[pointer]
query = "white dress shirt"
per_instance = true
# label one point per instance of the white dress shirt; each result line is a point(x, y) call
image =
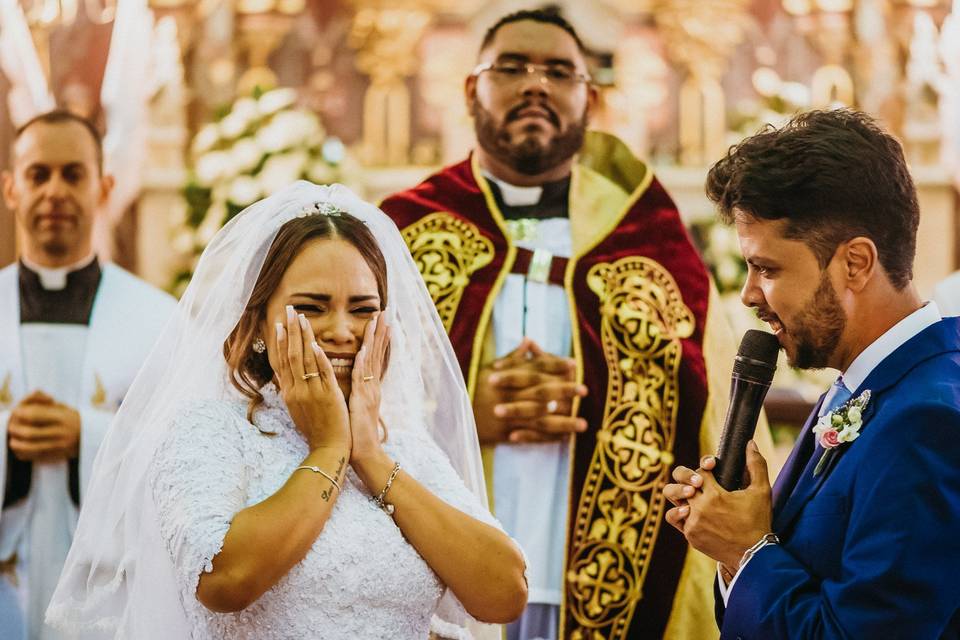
point(861, 367)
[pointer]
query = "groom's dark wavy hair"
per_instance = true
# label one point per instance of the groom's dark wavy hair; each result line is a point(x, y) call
point(250, 370)
point(833, 175)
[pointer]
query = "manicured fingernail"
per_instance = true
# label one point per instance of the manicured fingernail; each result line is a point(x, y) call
point(499, 410)
point(279, 331)
point(684, 510)
point(494, 378)
point(289, 312)
point(303, 322)
point(514, 437)
point(316, 347)
point(581, 425)
point(688, 491)
point(582, 390)
point(696, 479)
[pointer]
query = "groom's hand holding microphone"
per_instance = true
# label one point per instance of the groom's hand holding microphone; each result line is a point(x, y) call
point(721, 511)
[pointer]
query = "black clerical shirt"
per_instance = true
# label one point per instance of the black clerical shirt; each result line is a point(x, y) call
point(553, 203)
point(70, 305)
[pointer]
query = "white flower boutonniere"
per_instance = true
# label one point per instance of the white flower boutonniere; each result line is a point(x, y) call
point(840, 426)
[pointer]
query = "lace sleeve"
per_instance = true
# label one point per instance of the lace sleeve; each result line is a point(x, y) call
point(199, 483)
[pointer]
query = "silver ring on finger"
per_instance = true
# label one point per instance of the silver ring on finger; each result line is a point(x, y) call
point(552, 406)
point(314, 374)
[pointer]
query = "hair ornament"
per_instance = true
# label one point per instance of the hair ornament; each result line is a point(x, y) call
point(329, 209)
point(322, 208)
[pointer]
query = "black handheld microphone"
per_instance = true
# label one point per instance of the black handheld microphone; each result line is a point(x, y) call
point(752, 372)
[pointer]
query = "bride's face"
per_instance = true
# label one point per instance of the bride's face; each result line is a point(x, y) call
point(331, 284)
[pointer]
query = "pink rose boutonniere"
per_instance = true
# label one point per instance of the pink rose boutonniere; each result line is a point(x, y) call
point(840, 426)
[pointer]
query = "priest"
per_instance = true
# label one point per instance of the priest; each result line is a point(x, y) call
point(73, 333)
point(589, 334)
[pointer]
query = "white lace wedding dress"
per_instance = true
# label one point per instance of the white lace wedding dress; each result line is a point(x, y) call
point(361, 580)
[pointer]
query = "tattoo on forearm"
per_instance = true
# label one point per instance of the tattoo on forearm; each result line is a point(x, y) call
point(326, 494)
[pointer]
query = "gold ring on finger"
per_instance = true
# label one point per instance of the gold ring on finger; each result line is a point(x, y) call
point(367, 378)
point(307, 376)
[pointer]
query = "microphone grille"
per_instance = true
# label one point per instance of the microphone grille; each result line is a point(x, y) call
point(757, 356)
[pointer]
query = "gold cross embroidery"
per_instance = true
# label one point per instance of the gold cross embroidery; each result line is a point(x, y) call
point(6, 398)
point(99, 397)
point(523, 229)
point(8, 568)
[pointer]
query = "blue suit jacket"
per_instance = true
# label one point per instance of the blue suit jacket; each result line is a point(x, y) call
point(870, 547)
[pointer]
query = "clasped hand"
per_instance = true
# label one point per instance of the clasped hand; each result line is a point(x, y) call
point(721, 524)
point(527, 396)
point(313, 396)
point(43, 430)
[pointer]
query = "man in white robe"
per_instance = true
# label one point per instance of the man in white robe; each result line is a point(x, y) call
point(73, 334)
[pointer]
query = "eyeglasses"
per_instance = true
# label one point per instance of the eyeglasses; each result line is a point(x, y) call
point(507, 73)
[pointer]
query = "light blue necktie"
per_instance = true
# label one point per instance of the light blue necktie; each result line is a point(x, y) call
point(836, 396)
point(803, 464)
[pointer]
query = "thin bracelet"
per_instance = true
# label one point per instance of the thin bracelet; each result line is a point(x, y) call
point(323, 473)
point(379, 500)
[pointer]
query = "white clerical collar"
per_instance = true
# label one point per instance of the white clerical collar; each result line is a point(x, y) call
point(514, 196)
point(55, 278)
point(889, 342)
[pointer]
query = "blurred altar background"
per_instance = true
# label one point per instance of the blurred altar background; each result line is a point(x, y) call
point(209, 104)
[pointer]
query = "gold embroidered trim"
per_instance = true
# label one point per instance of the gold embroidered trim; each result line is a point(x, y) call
point(6, 397)
point(447, 251)
point(99, 397)
point(620, 509)
point(8, 570)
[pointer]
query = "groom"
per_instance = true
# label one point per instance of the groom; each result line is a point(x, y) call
point(860, 535)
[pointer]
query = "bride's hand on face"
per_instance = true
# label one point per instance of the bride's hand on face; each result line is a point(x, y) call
point(309, 386)
point(364, 402)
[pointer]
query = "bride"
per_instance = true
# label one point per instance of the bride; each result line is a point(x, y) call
point(297, 458)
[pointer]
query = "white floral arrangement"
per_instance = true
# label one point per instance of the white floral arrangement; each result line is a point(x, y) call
point(262, 144)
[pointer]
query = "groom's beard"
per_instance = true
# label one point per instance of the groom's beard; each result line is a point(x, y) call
point(816, 331)
point(528, 156)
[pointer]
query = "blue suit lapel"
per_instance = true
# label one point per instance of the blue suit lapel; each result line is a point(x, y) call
point(939, 338)
point(808, 484)
point(799, 456)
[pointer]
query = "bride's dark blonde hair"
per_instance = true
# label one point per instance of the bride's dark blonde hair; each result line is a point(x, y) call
point(250, 370)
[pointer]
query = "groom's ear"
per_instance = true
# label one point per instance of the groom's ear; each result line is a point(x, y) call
point(860, 262)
